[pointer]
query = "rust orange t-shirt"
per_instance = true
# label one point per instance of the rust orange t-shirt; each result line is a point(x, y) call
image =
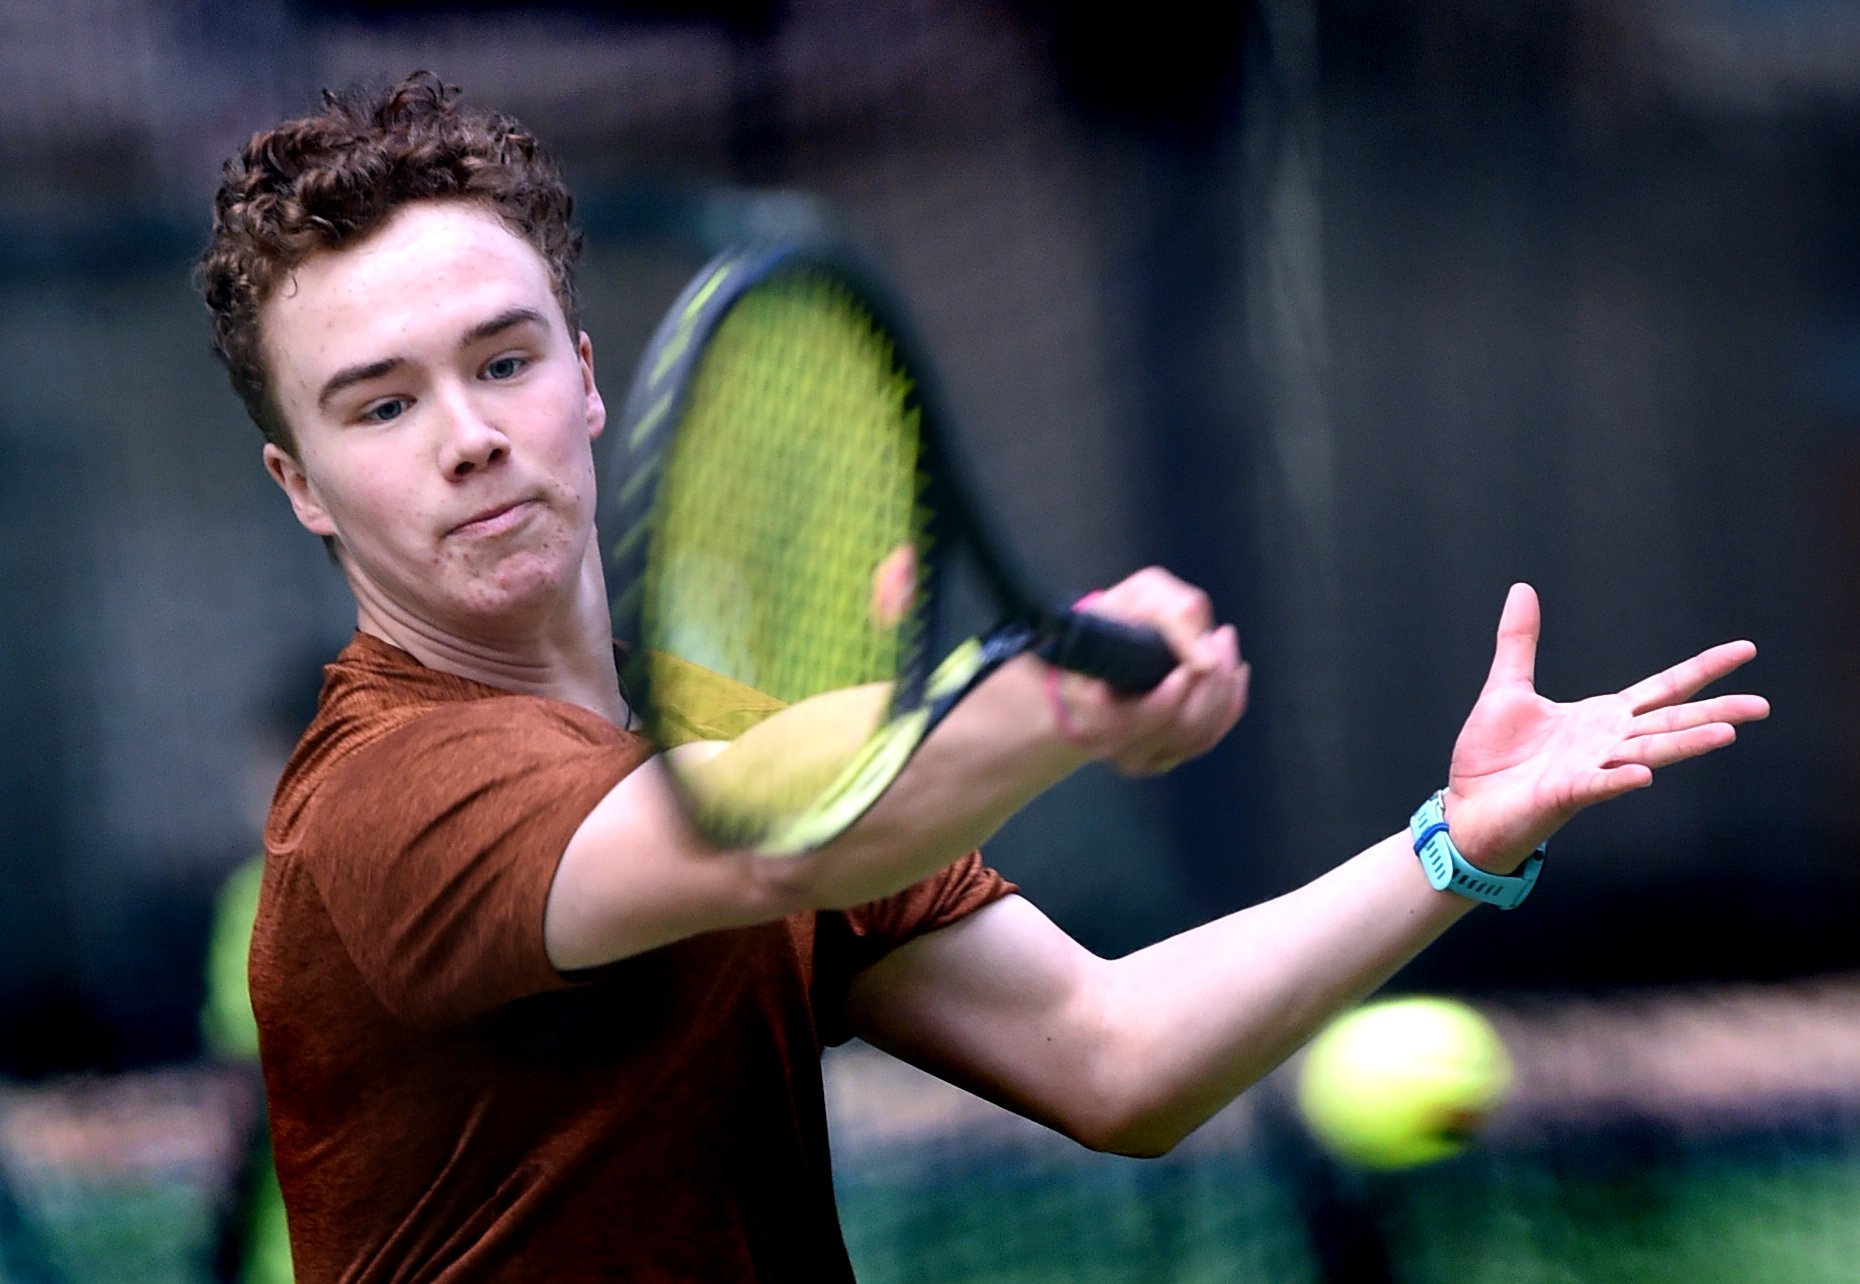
point(444, 1104)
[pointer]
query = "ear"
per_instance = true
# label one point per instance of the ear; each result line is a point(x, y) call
point(297, 487)
point(596, 409)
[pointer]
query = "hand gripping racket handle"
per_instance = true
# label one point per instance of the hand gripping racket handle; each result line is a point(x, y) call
point(1132, 658)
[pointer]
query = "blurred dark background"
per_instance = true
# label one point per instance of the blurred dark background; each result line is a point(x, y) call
point(1352, 311)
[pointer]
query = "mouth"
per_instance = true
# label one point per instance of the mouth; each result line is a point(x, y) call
point(494, 520)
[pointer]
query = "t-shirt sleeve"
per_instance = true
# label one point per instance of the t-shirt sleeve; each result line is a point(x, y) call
point(435, 847)
point(849, 941)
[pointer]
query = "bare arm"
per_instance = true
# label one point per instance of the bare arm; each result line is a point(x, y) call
point(1133, 1054)
point(635, 876)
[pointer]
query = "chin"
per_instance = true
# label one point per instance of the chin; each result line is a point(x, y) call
point(524, 593)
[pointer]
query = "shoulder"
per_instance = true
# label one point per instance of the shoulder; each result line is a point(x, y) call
point(382, 713)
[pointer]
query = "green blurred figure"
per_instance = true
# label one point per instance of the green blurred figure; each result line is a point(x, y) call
point(253, 1247)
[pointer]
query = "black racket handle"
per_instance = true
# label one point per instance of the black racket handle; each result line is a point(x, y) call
point(1132, 658)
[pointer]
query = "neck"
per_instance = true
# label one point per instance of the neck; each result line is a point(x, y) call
point(564, 654)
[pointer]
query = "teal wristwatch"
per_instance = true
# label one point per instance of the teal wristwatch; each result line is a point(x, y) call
point(1447, 870)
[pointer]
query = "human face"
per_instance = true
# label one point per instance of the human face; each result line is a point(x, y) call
point(442, 416)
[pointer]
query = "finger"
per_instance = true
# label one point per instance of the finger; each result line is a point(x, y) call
point(1165, 725)
point(1603, 783)
point(1514, 658)
point(1217, 651)
point(1143, 592)
point(1734, 709)
point(1179, 611)
point(1148, 767)
point(894, 584)
point(1187, 714)
point(1214, 703)
point(1085, 694)
point(1242, 691)
point(1673, 746)
point(1184, 622)
point(1162, 704)
point(1687, 678)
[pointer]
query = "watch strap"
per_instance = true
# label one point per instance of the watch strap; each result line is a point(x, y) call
point(1447, 870)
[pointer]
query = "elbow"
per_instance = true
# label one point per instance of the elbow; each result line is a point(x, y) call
point(769, 888)
point(1143, 1147)
point(1121, 1095)
point(1136, 1138)
point(778, 886)
point(1124, 1118)
point(851, 870)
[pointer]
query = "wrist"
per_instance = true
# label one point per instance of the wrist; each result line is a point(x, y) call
point(1476, 841)
point(1056, 706)
point(1065, 725)
point(1063, 722)
point(1448, 869)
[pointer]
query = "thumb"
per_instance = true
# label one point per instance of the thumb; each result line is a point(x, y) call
point(1514, 658)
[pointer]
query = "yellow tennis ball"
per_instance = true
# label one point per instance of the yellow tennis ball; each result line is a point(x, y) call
point(1402, 1081)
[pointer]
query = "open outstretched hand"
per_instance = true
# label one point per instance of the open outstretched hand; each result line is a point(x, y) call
point(1524, 764)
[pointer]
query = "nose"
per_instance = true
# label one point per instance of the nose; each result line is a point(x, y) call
point(471, 442)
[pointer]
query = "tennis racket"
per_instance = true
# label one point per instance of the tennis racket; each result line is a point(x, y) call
point(788, 511)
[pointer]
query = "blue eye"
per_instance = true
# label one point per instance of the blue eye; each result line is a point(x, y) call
point(385, 411)
point(503, 368)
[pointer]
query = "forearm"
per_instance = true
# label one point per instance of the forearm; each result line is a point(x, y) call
point(636, 876)
point(1196, 1019)
point(996, 751)
point(1192, 1021)
point(1134, 1054)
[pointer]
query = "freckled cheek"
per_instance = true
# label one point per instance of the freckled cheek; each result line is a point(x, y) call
point(392, 511)
point(572, 473)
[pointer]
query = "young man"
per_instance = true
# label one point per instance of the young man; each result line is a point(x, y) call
point(516, 1021)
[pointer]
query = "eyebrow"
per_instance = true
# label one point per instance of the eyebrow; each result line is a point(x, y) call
point(349, 376)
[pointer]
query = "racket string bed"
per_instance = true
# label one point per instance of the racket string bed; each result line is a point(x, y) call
point(789, 486)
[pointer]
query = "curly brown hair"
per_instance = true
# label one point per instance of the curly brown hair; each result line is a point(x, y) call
point(327, 180)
